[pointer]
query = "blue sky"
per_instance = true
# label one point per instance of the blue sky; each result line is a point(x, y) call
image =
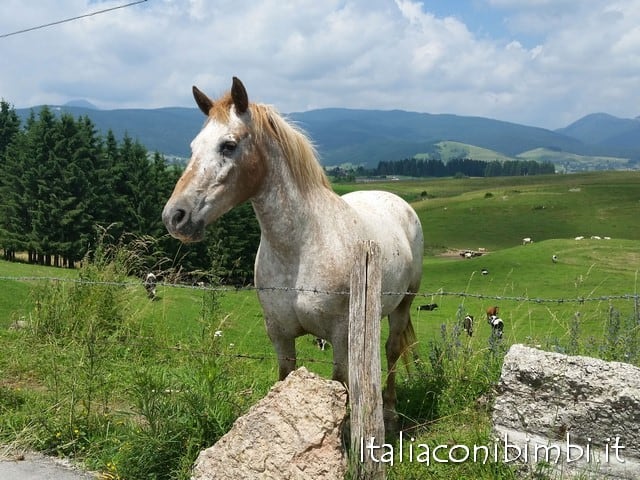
point(538, 62)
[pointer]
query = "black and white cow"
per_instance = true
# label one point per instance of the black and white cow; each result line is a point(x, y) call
point(150, 285)
point(321, 343)
point(497, 325)
point(468, 324)
point(429, 306)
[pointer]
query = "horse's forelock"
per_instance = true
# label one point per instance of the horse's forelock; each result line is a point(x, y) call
point(221, 109)
point(298, 150)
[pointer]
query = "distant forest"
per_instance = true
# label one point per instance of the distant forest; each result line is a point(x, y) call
point(414, 167)
point(62, 184)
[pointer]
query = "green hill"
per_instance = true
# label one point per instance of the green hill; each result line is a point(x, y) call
point(572, 162)
point(449, 150)
point(565, 162)
point(497, 212)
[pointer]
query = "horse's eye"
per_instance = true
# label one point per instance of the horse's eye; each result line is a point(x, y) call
point(228, 147)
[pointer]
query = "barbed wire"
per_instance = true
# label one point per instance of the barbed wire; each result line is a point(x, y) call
point(230, 289)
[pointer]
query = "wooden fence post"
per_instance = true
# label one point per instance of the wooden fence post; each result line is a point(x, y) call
point(365, 377)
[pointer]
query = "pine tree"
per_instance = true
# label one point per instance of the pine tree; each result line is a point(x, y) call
point(9, 132)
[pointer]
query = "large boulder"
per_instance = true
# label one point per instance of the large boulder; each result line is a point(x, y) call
point(295, 432)
point(576, 414)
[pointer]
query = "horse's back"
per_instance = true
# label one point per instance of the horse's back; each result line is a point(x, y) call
point(395, 226)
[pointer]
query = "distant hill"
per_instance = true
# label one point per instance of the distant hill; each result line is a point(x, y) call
point(167, 130)
point(604, 130)
point(366, 137)
point(81, 103)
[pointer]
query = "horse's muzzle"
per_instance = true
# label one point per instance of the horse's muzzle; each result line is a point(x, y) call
point(181, 225)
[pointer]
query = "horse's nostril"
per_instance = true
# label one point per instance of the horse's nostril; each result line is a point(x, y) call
point(178, 217)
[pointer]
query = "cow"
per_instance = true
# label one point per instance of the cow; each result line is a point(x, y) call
point(527, 240)
point(321, 343)
point(150, 285)
point(554, 258)
point(492, 311)
point(468, 324)
point(497, 326)
point(429, 307)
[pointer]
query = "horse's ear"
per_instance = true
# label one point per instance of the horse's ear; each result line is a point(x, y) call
point(239, 96)
point(204, 102)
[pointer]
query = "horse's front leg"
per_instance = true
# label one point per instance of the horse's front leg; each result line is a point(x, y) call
point(285, 348)
point(340, 344)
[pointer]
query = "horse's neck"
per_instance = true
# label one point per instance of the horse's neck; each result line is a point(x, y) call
point(289, 217)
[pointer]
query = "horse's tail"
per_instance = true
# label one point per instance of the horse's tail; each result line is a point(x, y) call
point(409, 341)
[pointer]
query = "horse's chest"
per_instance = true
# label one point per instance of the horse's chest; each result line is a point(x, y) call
point(309, 289)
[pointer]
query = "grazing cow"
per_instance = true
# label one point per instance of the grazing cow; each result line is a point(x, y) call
point(321, 343)
point(595, 237)
point(497, 326)
point(554, 258)
point(150, 285)
point(527, 240)
point(492, 311)
point(484, 271)
point(430, 306)
point(468, 324)
point(579, 238)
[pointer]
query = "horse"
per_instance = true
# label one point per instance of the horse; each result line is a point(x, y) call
point(309, 234)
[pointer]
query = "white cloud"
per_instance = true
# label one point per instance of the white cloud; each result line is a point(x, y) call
point(562, 59)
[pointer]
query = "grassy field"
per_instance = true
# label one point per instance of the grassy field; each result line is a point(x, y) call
point(85, 378)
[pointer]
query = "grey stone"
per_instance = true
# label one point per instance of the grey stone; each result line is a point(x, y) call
point(579, 414)
point(295, 432)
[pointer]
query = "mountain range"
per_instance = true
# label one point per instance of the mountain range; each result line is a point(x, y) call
point(366, 137)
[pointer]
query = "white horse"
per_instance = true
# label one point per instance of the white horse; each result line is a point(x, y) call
point(309, 235)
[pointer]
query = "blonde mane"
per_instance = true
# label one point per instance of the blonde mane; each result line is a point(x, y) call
point(297, 148)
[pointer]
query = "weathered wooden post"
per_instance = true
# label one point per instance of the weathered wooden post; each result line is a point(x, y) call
point(365, 378)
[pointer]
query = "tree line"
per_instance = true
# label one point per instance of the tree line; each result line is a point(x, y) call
point(429, 167)
point(62, 181)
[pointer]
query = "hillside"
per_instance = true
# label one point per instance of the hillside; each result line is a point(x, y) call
point(366, 137)
point(601, 129)
point(167, 130)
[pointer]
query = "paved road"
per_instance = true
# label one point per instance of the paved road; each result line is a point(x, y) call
point(33, 466)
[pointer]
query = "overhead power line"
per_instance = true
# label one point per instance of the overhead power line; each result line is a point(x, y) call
point(18, 32)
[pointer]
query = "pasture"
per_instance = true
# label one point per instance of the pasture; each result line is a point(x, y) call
point(138, 398)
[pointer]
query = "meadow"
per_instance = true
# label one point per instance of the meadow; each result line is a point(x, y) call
point(133, 388)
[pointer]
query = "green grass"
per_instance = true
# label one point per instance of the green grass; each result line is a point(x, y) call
point(88, 378)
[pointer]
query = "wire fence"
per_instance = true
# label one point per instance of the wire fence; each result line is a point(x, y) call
point(328, 359)
point(425, 295)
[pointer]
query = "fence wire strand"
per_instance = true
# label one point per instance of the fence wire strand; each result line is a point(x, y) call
point(228, 289)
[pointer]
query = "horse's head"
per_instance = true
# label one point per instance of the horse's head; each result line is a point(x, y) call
point(226, 167)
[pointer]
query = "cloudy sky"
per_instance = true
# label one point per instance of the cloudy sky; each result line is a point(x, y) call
point(538, 62)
